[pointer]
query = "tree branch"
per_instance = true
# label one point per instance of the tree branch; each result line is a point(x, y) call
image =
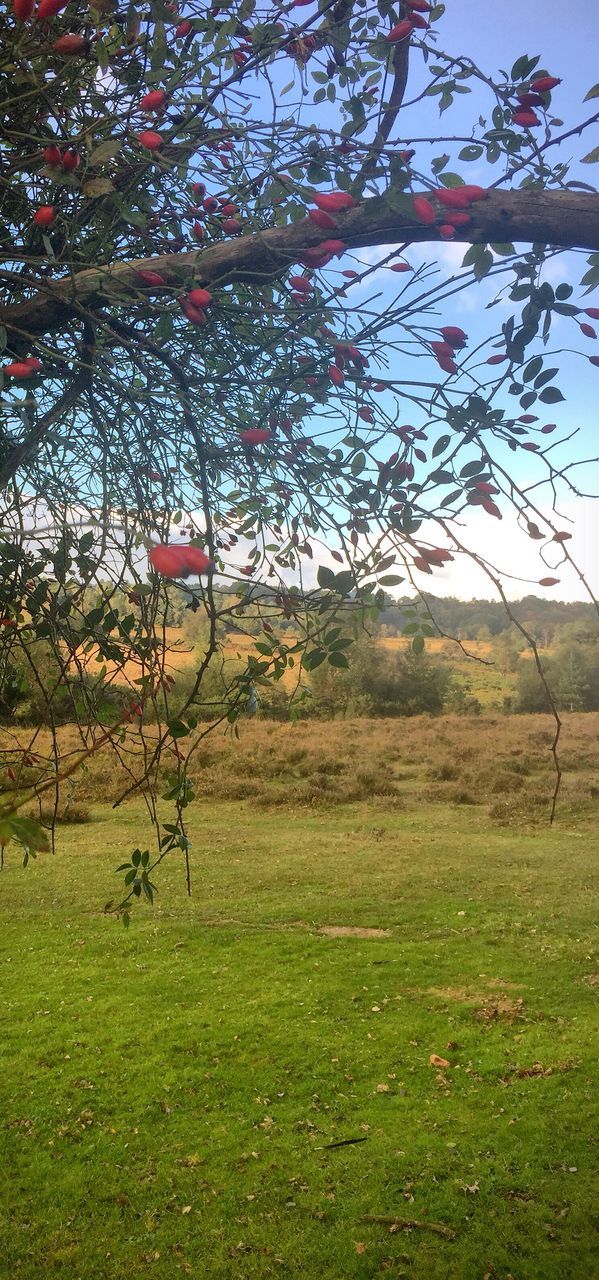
point(556, 218)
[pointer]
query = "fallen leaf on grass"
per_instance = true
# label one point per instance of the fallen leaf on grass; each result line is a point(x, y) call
point(436, 1061)
point(359, 1247)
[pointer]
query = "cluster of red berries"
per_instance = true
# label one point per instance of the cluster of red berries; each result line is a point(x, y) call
point(455, 203)
point(536, 96)
point(417, 10)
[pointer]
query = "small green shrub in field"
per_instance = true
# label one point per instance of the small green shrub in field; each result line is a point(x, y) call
point(73, 814)
point(461, 796)
point(444, 771)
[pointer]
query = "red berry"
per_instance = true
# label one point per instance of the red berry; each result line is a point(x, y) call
point(447, 364)
point(499, 359)
point(153, 101)
point(423, 210)
point(322, 219)
point(474, 193)
point(400, 31)
point(548, 582)
point(150, 140)
point(34, 364)
point(592, 313)
point(178, 561)
point(151, 278)
point(458, 218)
point(183, 29)
point(544, 84)
point(23, 9)
point(70, 159)
point(210, 204)
point(400, 266)
point(446, 231)
point(48, 8)
point(455, 336)
point(588, 330)
point(231, 226)
point(52, 156)
point(198, 231)
point(336, 375)
point(335, 201)
point(45, 216)
point(594, 360)
point(196, 561)
point(300, 283)
point(200, 298)
point(71, 46)
point(255, 435)
point(442, 349)
point(529, 99)
point(526, 117)
point(19, 369)
point(452, 197)
point(194, 314)
point(420, 6)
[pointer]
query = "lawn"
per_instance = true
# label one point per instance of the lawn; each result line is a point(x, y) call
point(170, 1093)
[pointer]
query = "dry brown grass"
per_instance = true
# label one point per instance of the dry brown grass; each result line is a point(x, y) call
point(501, 762)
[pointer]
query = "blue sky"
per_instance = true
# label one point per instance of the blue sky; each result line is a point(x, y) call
point(567, 40)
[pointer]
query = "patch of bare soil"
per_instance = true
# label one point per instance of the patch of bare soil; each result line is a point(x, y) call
point(493, 1007)
point(500, 1009)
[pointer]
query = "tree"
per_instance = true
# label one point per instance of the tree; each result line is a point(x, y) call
point(196, 366)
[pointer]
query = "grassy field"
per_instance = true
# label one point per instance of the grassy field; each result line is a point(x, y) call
point(170, 1093)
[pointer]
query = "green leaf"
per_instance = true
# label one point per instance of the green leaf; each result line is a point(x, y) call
point(337, 659)
point(97, 187)
point(440, 446)
point(592, 157)
point(533, 368)
point(106, 151)
point(29, 832)
point(473, 468)
point(418, 644)
point(483, 264)
point(551, 395)
point(325, 578)
point(344, 582)
point(471, 152)
point(391, 580)
point(593, 93)
point(314, 659)
point(178, 728)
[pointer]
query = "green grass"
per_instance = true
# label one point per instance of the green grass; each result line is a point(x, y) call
point(168, 1092)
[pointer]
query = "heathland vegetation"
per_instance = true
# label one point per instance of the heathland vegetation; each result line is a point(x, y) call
point(454, 656)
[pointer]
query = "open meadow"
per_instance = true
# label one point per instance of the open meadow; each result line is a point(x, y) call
point(178, 1099)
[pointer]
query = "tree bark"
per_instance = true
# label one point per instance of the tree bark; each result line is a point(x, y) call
point(561, 219)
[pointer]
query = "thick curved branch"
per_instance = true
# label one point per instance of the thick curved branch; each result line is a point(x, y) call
point(561, 219)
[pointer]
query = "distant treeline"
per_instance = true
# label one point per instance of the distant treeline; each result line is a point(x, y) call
point(481, 619)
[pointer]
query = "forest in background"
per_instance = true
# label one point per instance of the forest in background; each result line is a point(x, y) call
point(445, 656)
